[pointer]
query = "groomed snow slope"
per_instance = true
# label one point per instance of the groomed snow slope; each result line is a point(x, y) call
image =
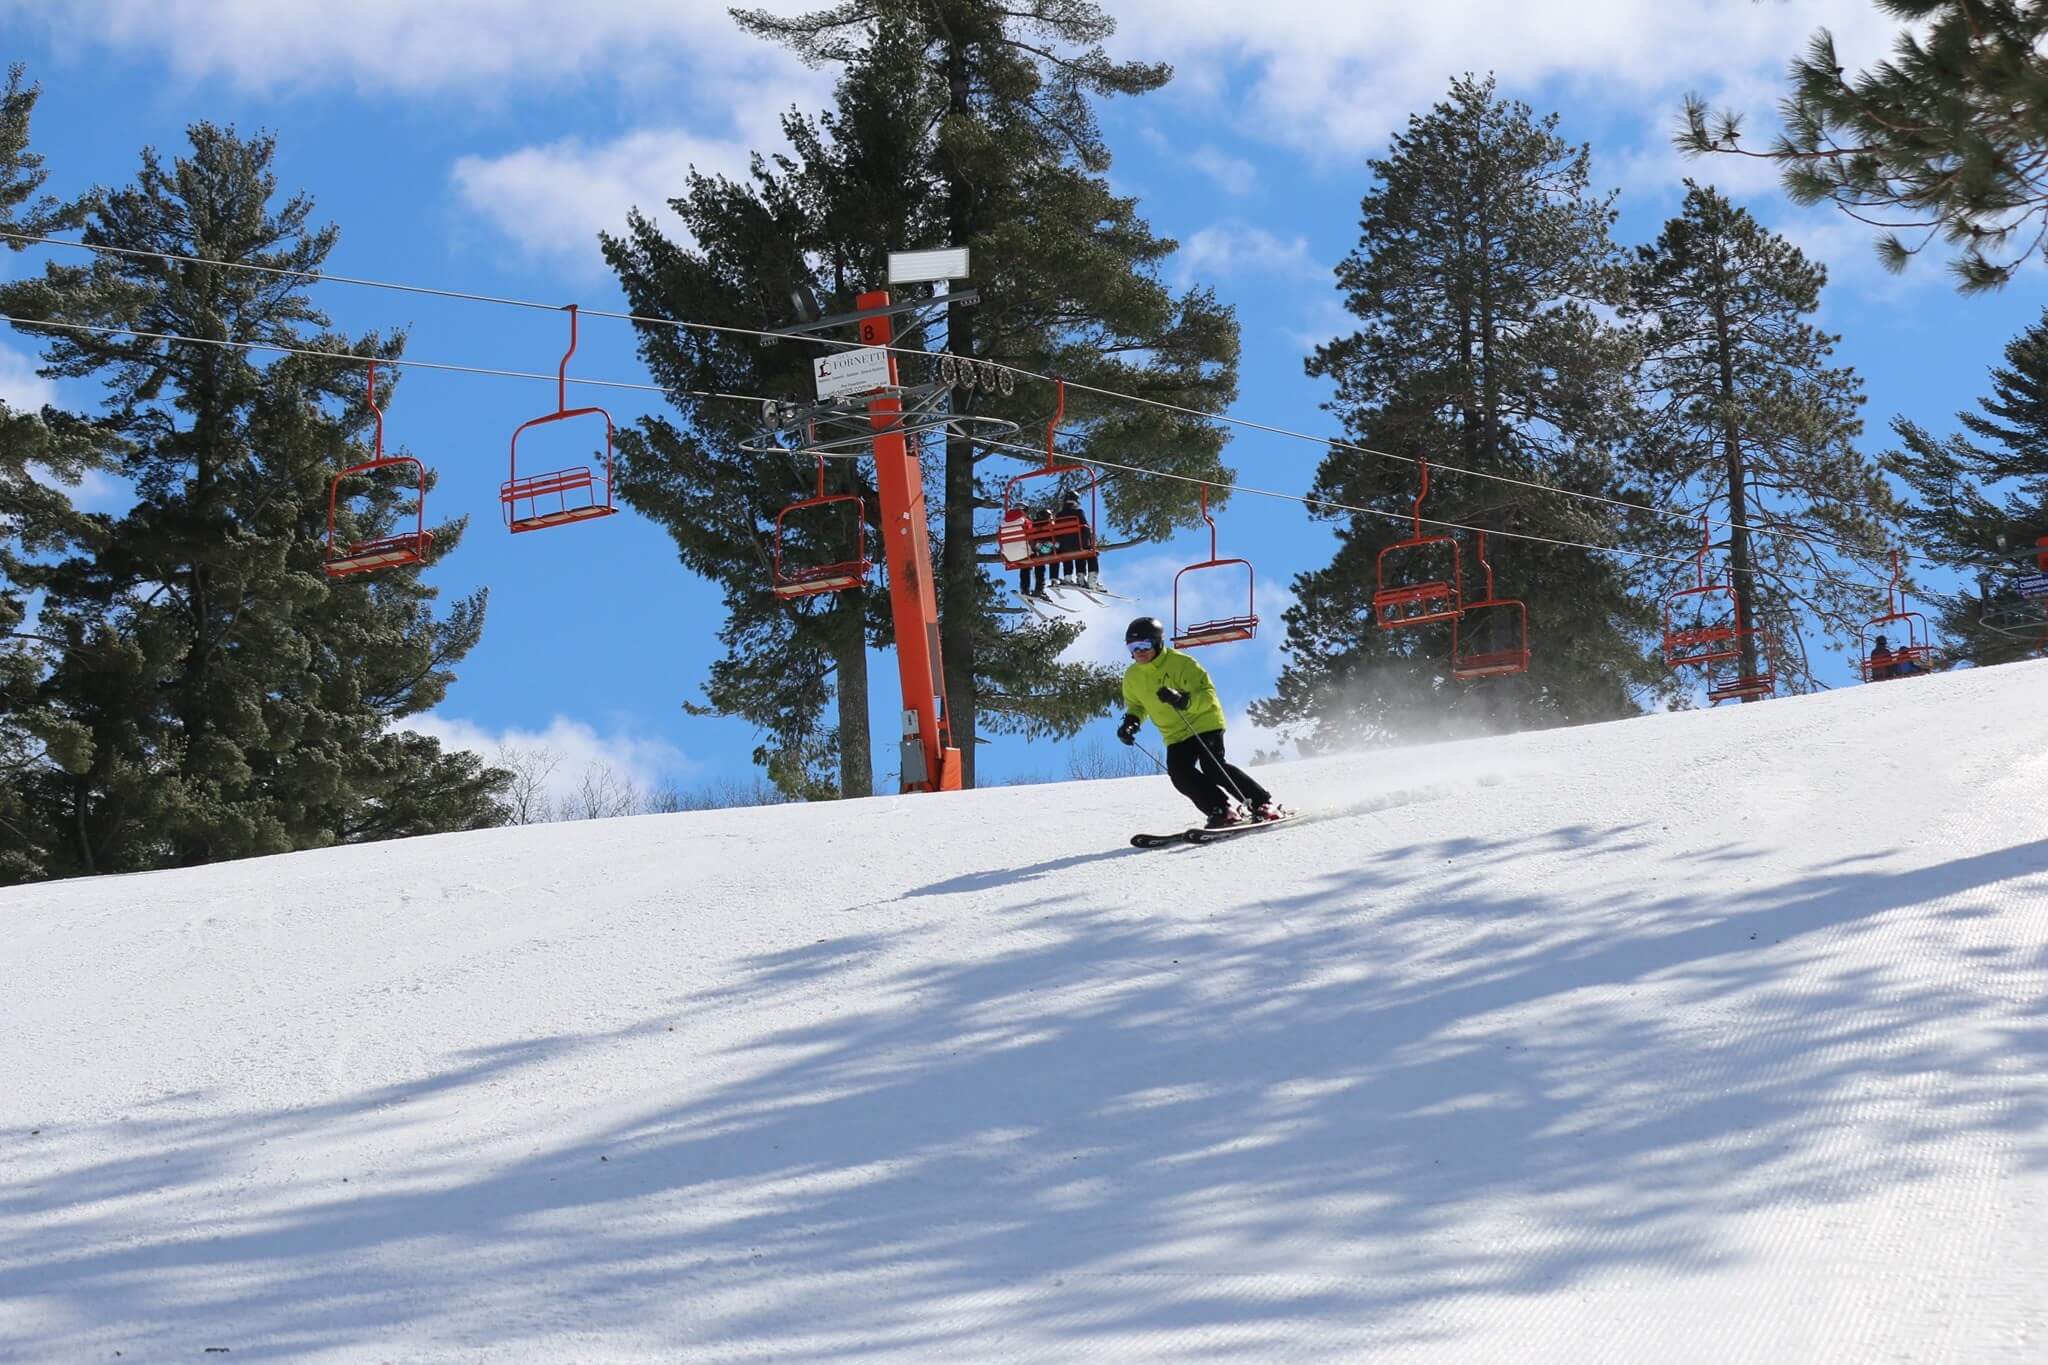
point(1710, 1037)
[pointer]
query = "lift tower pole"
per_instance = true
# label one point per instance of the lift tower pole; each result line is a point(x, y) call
point(930, 762)
point(863, 401)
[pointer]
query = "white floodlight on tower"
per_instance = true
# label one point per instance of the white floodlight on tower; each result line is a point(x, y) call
point(921, 267)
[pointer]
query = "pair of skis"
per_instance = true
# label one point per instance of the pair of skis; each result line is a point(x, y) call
point(1042, 602)
point(1204, 835)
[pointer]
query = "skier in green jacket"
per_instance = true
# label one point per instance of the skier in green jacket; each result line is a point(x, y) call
point(1176, 693)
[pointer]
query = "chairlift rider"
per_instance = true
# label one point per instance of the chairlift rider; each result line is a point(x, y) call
point(1077, 535)
point(1021, 546)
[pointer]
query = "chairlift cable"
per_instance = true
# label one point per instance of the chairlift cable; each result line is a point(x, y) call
point(1033, 454)
point(467, 296)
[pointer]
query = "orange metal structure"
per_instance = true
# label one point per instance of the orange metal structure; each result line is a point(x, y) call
point(929, 760)
point(1708, 642)
point(810, 580)
point(1705, 640)
point(383, 552)
point(533, 502)
point(1506, 618)
point(1914, 654)
point(1223, 629)
point(1417, 602)
point(1019, 535)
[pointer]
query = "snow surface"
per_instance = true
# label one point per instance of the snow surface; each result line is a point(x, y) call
point(1707, 1037)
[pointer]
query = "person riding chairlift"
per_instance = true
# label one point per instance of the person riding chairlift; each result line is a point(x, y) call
point(1020, 544)
point(1078, 535)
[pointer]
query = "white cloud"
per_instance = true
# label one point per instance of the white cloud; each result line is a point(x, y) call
point(1335, 80)
point(21, 388)
point(554, 199)
point(1233, 174)
point(1228, 249)
point(644, 763)
point(498, 47)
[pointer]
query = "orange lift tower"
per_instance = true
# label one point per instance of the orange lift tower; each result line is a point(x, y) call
point(862, 385)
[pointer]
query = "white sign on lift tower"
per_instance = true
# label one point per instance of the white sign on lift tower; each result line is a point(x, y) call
point(860, 370)
point(918, 267)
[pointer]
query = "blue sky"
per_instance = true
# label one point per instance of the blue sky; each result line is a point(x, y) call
point(480, 145)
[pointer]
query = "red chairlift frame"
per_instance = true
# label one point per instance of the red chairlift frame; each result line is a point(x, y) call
point(1415, 604)
point(812, 580)
point(1919, 647)
point(1694, 646)
point(1223, 629)
point(559, 483)
point(1742, 686)
point(1015, 531)
point(1493, 663)
point(383, 552)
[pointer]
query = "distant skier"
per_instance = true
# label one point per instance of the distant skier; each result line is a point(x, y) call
point(1881, 661)
point(1176, 693)
point(1076, 535)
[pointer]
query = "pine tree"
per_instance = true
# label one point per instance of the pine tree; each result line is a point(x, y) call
point(1942, 141)
point(752, 244)
point(1982, 505)
point(1009, 161)
point(208, 693)
point(1481, 273)
point(1753, 427)
point(42, 455)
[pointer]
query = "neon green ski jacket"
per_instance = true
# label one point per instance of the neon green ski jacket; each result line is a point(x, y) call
point(1171, 668)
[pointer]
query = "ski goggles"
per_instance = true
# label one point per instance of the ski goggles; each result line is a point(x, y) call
point(1141, 646)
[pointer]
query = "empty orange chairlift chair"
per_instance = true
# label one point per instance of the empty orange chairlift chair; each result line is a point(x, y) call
point(382, 552)
point(533, 502)
point(797, 568)
point(1221, 629)
point(1490, 637)
point(1407, 598)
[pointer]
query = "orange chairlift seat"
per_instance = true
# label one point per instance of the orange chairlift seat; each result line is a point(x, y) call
point(1733, 684)
point(1414, 602)
point(382, 552)
point(1503, 627)
point(1020, 538)
point(791, 581)
point(1715, 635)
point(533, 502)
point(1222, 629)
point(1913, 653)
point(1709, 633)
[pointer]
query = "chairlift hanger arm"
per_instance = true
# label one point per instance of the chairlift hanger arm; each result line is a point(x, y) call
point(838, 320)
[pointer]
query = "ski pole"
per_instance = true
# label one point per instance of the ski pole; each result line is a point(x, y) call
point(1149, 754)
point(1223, 768)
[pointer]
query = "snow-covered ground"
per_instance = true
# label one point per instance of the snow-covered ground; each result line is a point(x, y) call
point(1711, 1037)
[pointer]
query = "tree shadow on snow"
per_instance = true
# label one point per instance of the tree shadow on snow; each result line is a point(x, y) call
point(1123, 1125)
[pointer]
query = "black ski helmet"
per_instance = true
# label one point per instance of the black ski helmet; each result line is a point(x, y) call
point(1148, 628)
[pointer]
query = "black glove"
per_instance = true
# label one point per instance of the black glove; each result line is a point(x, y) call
point(1128, 731)
point(1173, 697)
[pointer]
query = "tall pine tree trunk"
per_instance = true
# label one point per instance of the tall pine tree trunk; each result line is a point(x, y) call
point(958, 568)
point(1739, 566)
point(850, 672)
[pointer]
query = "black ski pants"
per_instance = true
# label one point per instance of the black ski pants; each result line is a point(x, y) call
point(1198, 772)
